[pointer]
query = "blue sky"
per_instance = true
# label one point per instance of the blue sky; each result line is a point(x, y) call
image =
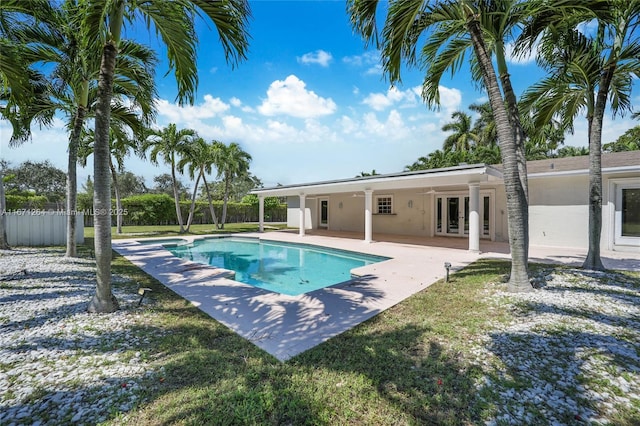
point(309, 104)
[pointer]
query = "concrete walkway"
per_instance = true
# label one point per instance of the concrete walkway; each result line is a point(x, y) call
point(285, 326)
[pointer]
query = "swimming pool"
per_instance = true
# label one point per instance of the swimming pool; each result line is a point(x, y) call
point(285, 268)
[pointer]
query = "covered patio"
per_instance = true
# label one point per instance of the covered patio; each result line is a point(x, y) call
point(463, 184)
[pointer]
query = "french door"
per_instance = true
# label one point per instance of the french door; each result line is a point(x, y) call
point(452, 215)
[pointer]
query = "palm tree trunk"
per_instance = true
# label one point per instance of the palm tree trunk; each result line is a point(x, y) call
point(517, 205)
point(116, 190)
point(514, 119)
point(213, 213)
point(103, 299)
point(72, 181)
point(193, 204)
point(176, 196)
point(227, 185)
point(4, 244)
point(593, 260)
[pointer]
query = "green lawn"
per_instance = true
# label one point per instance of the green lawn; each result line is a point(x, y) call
point(401, 367)
point(410, 365)
point(173, 230)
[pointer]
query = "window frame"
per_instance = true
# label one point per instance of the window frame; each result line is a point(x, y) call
point(377, 200)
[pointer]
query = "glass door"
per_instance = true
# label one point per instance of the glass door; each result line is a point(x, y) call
point(452, 215)
point(324, 213)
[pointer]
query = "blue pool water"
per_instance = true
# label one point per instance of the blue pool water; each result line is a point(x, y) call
point(285, 268)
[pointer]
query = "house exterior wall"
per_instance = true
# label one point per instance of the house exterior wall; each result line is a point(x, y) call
point(558, 211)
point(293, 213)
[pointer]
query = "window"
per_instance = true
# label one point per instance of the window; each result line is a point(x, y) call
point(631, 212)
point(384, 204)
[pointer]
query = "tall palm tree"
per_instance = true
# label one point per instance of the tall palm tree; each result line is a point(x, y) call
point(463, 137)
point(174, 21)
point(59, 41)
point(449, 30)
point(586, 72)
point(170, 144)
point(198, 159)
point(231, 162)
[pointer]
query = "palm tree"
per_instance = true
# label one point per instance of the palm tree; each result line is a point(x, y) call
point(58, 41)
point(450, 29)
point(463, 137)
point(198, 158)
point(170, 144)
point(485, 125)
point(23, 91)
point(120, 145)
point(174, 21)
point(231, 162)
point(586, 72)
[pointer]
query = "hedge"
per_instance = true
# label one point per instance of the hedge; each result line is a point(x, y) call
point(159, 209)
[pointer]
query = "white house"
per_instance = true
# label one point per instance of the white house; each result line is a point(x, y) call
point(469, 202)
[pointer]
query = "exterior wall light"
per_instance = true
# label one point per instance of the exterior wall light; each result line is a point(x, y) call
point(410, 204)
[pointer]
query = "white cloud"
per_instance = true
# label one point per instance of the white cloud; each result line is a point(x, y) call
point(371, 60)
point(319, 57)
point(290, 97)
point(381, 101)
point(175, 113)
point(235, 102)
point(450, 99)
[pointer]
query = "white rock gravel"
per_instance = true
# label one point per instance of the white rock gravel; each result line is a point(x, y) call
point(574, 342)
point(573, 347)
point(58, 363)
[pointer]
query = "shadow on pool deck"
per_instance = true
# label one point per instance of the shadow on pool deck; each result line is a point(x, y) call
point(285, 326)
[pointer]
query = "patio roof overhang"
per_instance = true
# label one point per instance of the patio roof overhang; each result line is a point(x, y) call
point(446, 177)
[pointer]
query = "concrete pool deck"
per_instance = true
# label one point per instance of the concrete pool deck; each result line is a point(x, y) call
point(285, 326)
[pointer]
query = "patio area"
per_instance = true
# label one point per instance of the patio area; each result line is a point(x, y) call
point(285, 326)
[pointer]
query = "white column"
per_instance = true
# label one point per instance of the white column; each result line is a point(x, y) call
point(474, 217)
point(368, 215)
point(302, 214)
point(261, 213)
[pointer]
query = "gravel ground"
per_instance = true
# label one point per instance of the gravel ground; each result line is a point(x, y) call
point(59, 364)
point(569, 352)
point(575, 344)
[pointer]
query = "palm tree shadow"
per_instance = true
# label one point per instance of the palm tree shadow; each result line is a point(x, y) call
point(420, 377)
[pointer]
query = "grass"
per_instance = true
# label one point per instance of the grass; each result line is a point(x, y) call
point(402, 367)
point(173, 230)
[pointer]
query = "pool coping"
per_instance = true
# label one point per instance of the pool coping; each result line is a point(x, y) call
point(286, 326)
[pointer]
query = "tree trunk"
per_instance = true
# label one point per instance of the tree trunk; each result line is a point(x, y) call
point(517, 205)
point(116, 190)
point(514, 119)
point(103, 299)
point(193, 204)
point(176, 195)
point(72, 181)
point(213, 213)
point(4, 244)
point(227, 185)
